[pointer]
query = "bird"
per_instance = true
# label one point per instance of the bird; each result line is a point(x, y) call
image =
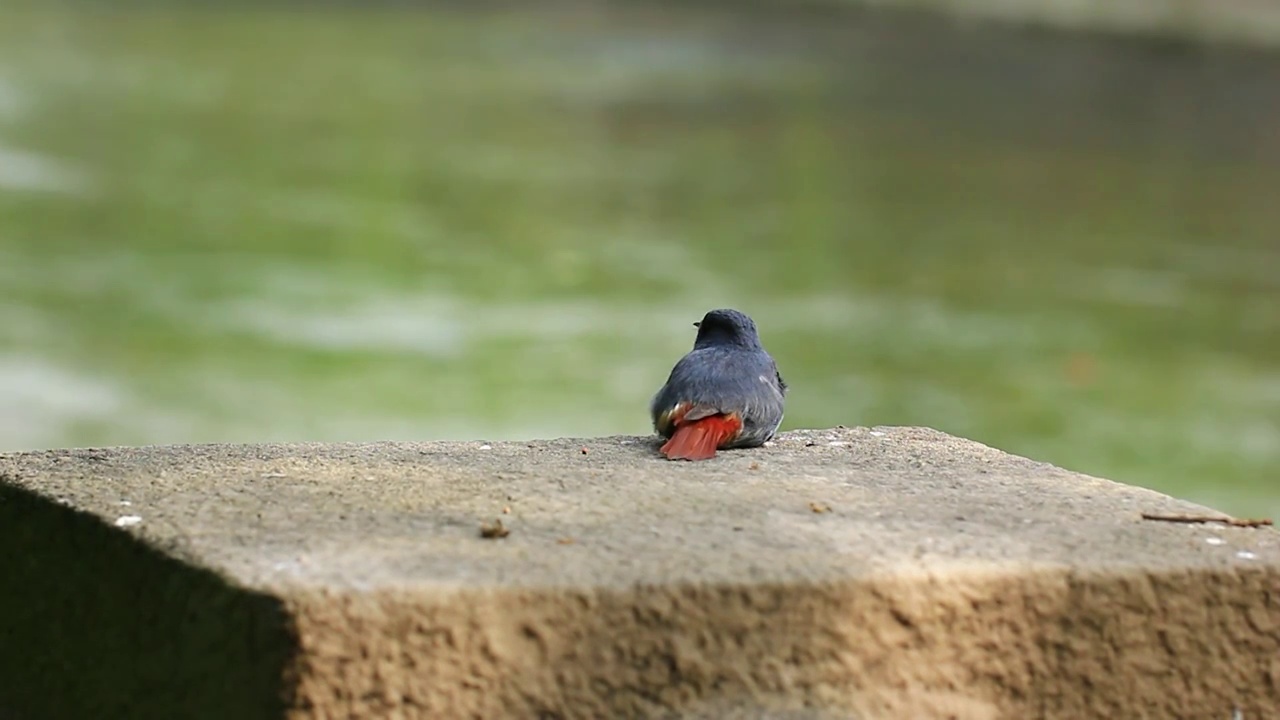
point(725, 393)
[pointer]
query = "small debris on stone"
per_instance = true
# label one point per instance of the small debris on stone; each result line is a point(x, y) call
point(494, 530)
point(1245, 555)
point(810, 443)
point(819, 507)
point(506, 510)
point(273, 475)
point(585, 451)
point(876, 433)
point(124, 503)
point(127, 520)
point(754, 466)
point(566, 541)
point(1215, 540)
point(486, 447)
point(837, 443)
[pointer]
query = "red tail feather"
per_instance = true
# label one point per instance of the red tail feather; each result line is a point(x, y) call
point(699, 439)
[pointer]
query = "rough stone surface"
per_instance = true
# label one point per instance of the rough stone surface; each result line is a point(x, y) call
point(850, 573)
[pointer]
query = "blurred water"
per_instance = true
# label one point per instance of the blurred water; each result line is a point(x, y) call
point(251, 225)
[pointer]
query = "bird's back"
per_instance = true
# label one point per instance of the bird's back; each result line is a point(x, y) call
point(731, 380)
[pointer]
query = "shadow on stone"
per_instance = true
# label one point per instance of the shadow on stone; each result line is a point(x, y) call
point(94, 623)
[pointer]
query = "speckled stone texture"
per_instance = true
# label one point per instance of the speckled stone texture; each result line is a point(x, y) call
point(844, 573)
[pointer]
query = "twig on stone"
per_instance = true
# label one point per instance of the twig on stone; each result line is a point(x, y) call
point(1234, 522)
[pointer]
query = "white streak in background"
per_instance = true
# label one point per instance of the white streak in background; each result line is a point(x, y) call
point(637, 64)
point(40, 403)
point(30, 171)
point(22, 170)
point(1257, 437)
point(425, 327)
point(1132, 287)
point(328, 312)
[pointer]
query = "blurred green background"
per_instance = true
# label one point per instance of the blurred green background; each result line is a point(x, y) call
point(415, 222)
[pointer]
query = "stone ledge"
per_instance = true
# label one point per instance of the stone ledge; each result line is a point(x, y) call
point(868, 573)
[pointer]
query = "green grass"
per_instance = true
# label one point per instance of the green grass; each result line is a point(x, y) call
point(345, 224)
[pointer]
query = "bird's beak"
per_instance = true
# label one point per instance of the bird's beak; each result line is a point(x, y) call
point(698, 324)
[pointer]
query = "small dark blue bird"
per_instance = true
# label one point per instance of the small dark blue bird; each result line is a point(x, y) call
point(726, 393)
